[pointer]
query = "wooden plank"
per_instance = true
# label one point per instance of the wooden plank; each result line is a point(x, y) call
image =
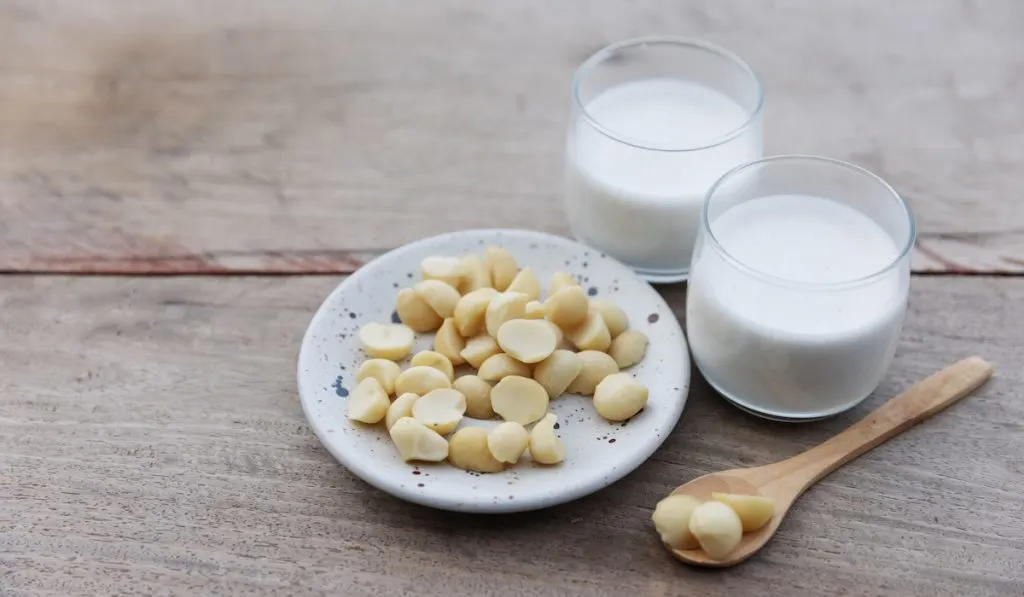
point(151, 442)
point(278, 137)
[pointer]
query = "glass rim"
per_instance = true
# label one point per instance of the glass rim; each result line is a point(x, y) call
point(821, 160)
point(666, 40)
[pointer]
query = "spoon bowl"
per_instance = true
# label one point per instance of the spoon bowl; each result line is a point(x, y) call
point(785, 481)
point(733, 481)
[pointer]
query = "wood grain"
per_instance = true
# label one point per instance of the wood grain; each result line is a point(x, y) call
point(151, 442)
point(268, 136)
point(910, 407)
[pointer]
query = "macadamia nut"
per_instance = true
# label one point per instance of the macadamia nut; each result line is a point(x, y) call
point(504, 307)
point(475, 275)
point(440, 410)
point(545, 446)
point(754, 511)
point(368, 403)
point(386, 341)
point(559, 281)
point(672, 520)
point(468, 450)
point(717, 528)
point(446, 269)
point(591, 334)
point(502, 267)
point(439, 296)
point(526, 283)
point(527, 340)
point(478, 349)
point(471, 310)
point(596, 367)
point(415, 441)
point(557, 371)
point(559, 334)
point(448, 342)
point(568, 307)
point(401, 407)
point(534, 310)
point(415, 312)
point(429, 358)
point(478, 396)
point(501, 366)
point(614, 317)
point(420, 380)
point(519, 399)
point(628, 348)
point(619, 397)
point(508, 441)
point(383, 370)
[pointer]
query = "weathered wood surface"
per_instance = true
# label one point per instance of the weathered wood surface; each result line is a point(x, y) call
point(268, 136)
point(152, 443)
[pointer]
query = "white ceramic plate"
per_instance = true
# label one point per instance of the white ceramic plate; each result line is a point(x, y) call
point(598, 452)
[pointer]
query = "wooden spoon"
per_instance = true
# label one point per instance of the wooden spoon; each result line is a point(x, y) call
point(785, 481)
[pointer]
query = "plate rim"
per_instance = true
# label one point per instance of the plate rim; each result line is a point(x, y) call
point(365, 473)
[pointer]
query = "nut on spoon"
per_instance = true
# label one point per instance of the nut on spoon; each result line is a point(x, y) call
point(785, 481)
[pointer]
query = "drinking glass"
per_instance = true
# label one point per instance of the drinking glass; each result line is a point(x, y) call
point(655, 122)
point(809, 334)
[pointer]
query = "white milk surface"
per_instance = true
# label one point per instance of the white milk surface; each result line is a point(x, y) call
point(787, 348)
point(639, 205)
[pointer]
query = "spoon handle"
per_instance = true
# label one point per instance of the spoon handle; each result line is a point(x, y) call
point(917, 403)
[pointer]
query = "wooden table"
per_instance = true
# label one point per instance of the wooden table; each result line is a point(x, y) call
point(151, 439)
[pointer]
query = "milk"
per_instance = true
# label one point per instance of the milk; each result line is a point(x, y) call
point(641, 205)
point(795, 349)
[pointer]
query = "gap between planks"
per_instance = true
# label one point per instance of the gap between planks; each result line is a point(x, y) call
point(286, 263)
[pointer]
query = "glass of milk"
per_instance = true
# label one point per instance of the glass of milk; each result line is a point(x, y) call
point(798, 285)
point(655, 122)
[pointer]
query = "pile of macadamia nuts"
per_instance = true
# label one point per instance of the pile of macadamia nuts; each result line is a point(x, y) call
point(487, 314)
point(716, 526)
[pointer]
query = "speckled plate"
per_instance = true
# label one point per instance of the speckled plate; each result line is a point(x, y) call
point(598, 453)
